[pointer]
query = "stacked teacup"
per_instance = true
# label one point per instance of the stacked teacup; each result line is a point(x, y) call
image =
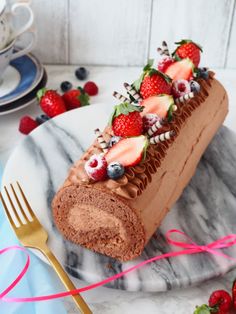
point(9, 35)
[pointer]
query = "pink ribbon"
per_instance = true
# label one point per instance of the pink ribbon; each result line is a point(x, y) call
point(188, 247)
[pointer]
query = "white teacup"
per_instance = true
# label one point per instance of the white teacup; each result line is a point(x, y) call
point(7, 33)
point(9, 53)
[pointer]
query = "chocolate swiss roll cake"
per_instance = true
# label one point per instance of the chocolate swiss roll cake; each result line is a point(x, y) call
point(117, 194)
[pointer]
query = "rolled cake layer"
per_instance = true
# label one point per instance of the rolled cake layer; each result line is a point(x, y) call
point(118, 217)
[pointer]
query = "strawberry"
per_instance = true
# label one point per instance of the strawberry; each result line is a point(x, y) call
point(188, 49)
point(152, 82)
point(234, 294)
point(126, 120)
point(182, 69)
point(27, 124)
point(221, 301)
point(75, 98)
point(51, 102)
point(128, 151)
point(158, 105)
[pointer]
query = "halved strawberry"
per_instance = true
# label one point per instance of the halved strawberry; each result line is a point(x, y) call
point(128, 151)
point(181, 70)
point(158, 105)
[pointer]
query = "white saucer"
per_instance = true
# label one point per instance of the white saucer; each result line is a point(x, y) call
point(10, 82)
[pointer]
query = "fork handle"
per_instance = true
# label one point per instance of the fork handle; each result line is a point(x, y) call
point(66, 280)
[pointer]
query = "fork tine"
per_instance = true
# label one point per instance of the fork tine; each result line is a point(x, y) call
point(19, 204)
point(7, 211)
point(26, 202)
point(13, 206)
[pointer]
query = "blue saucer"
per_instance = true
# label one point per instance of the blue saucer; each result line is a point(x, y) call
point(21, 77)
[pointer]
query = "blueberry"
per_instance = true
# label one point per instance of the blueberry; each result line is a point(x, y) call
point(42, 118)
point(203, 73)
point(115, 170)
point(195, 86)
point(114, 140)
point(81, 73)
point(65, 86)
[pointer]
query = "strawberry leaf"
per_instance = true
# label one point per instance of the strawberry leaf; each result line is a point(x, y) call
point(41, 92)
point(149, 65)
point(205, 309)
point(186, 41)
point(124, 108)
point(136, 84)
point(83, 97)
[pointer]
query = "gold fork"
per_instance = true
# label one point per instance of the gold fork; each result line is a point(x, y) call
point(32, 234)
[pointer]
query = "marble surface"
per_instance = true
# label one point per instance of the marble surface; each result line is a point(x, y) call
point(105, 300)
point(205, 211)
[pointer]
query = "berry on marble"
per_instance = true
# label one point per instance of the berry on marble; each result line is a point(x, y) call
point(91, 88)
point(96, 167)
point(51, 102)
point(27, 124)
point(42, 118)
point(65, 86)
point(75, 98)
point(81, 73)
point(115, 170)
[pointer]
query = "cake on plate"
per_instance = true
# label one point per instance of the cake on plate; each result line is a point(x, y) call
point(117, 194)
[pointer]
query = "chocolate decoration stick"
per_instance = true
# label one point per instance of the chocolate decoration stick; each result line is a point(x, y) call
point(103, 144)
point(133, 92)
point(184, 98)
point(121, 97)
point(162, 137)
point(156, 126)
point(164, 50)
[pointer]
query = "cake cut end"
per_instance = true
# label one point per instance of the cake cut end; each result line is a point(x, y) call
point(99, 221)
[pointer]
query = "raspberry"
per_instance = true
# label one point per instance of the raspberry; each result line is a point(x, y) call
point(221, 300)
point(96, 167)
point(164, 63)
point(180, 88)
point(27, 124)
point(149, 120)
point(91, 88)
